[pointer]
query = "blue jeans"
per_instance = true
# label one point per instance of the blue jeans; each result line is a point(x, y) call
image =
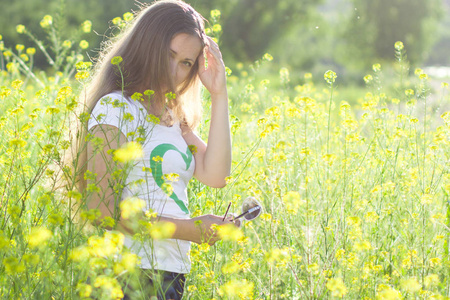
point(163, 285)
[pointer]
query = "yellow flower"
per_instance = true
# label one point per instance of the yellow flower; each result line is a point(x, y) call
point(330, 77)
point(38, 236)
point(431, 280)
point(7, 54)
point(18, 142)
point(67, 44)
point(409, 92)
point(276, 255)
point(284, 74)
point(162, 230)
point(337, 287)
point(426, 199)
point(79, 254)
point(108, 245)
point(217, 28)
point(292, 202)
point(215, 14)
point(237, 288)
point(371, 217)
point(340, 254)
point(128, 152)
point(435, 261)
point(81, 75)
point(13, 266)
point(84, 290)
point(129, 262)
point(361, 246)
point(20, 29)
point(267, 57)
point(353, 221)
point(117, 20)
point(376, 67)
point(116, 60)
point(16, 84)
point(423, 76)
point(230, 268)
point(266, 216)
point(84, 44)
point(47, 21)
point(368, 79)
point(229, 232)
point(410, 285)
point(398, 46)
point(86, 26)
point(128, 16)
point(24, 57)
point(130, 207)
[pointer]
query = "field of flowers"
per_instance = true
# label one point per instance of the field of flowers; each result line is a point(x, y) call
point(355, 192)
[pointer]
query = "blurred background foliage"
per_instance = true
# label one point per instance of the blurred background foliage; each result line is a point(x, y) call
point(302, 35)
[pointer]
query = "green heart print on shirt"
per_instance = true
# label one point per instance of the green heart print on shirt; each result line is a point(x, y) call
point(156, 167)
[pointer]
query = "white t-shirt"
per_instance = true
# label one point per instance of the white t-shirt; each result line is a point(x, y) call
point(177, 164)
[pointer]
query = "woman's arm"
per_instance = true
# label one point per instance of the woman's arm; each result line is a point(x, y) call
point(213, 161)
point(100, 162)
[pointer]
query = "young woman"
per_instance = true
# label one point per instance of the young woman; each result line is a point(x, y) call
point(165, 56)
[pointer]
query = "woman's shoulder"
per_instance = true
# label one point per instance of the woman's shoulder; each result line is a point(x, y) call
point(114, 97)
point(118, 100)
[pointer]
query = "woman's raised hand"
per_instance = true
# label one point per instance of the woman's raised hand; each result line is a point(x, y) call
point(214, 76)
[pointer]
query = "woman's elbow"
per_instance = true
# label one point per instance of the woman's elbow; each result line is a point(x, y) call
point(219, 185)
point(216, 182)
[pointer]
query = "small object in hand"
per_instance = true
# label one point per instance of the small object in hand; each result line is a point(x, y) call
point(228, 208)
point(251, 209)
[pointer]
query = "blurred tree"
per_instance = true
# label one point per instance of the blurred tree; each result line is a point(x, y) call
point(67, 17)
point(252, 26)
point(439, 54)
point(375, 26)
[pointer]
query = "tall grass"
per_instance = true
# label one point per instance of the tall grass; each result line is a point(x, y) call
point(355, 197)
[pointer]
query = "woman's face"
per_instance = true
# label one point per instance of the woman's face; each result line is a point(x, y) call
point(184, 51)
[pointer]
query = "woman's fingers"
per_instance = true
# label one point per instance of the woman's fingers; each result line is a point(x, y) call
point(230, 219)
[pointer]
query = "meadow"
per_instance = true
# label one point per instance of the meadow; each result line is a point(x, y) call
point(355, 192)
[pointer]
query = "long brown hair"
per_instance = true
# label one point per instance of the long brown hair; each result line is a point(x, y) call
point(144, 48)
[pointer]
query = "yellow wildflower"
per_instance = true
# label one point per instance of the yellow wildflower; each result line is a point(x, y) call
point(86, 26)
point(84, 44)
point(130, 207)
point(410, 285)
point(38, 236)
point(128, 152)
point(20, 29)
point(237, 288)
point(292, 201)
point(47, 21)
point(162, 230)
point(337, 287)
point(229, 232)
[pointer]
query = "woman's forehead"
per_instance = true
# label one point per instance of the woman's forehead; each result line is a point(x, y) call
point(188, 45)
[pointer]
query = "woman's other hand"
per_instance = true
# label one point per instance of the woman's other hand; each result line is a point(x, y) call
point(205, 231)
point(214, 76)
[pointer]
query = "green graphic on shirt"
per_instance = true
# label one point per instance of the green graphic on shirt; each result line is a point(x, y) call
point(156, 166)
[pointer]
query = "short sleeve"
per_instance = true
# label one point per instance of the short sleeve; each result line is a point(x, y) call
point(115, 110)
